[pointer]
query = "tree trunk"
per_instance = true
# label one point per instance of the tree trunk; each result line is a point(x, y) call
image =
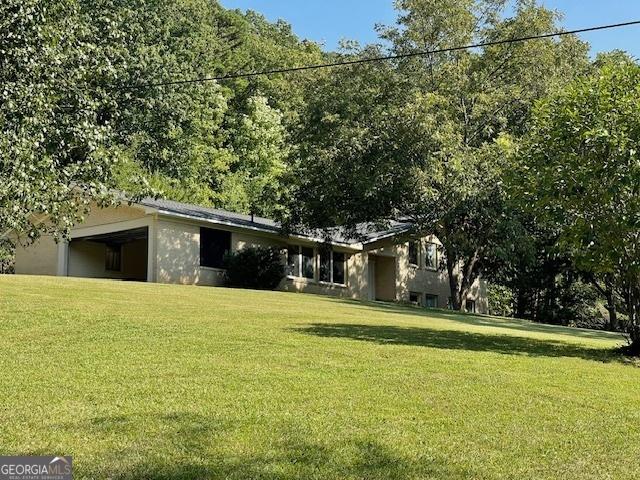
point(634, 318)
point(611, 308)
point(454, 284)
point(521, 304)
point(608, 292)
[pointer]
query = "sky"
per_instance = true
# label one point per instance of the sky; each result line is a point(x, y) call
point(329, 21)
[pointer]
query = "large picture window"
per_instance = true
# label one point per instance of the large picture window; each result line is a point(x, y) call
point(431, 301)
point(331, 265)
point(214, 244)
point(325, 265)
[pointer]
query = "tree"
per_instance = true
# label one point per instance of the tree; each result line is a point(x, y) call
point(582, 172)
point(427, 138)
point(54, 138)
point(254, 184)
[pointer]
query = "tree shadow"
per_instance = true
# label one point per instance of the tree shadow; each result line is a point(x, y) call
point(457, 340)
point(193, 446)
point(486, 320)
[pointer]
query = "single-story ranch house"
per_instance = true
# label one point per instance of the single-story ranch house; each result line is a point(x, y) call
point(170, 242)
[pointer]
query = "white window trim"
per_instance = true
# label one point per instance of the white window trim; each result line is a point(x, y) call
point(429, 267)
point(331, 280)
point(298, 275)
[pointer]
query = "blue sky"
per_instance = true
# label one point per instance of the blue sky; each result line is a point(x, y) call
point(329, 21)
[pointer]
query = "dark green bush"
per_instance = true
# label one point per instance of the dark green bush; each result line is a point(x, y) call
point(260, 268)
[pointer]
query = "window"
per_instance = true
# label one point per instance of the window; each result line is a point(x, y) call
point(332, 266)
point(214, 244)
point(414, 253)
point(470, 306)
point(431, 259)
point(325, 265)
point(308, 267)
point(339, 268)
point(414, 297)
point(300, 262)
point(113, 258)
point(293, 261)
point(431, 301)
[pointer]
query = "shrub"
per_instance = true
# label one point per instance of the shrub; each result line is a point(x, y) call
point(7, 257)
point(260, 268)
point(500, 300)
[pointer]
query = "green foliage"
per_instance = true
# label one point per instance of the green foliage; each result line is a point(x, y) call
point(258, 268)
point(55, 151)
point(7, 258)
point(500, 300)
point(581, 171)
point(76, 78)
point(428, 138)
point(254, 183)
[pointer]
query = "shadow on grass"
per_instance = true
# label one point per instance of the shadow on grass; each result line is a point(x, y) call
point(456, 340)
point(193, 446)
point(486, 320)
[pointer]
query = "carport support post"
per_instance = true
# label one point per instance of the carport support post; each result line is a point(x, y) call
point(63, 258)
point(151, 251)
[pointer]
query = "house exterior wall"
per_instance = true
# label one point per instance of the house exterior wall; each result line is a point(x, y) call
point(173, 256)
point(40, 258)
point(178, 260)
point(106, 216)
point(423, 280)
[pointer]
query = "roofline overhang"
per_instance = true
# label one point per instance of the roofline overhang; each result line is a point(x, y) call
point(254, 228)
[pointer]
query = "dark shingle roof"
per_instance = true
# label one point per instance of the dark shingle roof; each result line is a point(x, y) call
point(364, 233)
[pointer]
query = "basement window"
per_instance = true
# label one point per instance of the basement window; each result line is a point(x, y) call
point(431, 301)
point(414, 297)
point(470, 306)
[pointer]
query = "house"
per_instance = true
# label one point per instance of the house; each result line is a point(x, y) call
point(169, 242)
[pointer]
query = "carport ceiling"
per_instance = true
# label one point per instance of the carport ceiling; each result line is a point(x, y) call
point(125, 236)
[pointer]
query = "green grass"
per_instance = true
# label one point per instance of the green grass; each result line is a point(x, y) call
point(153, 381)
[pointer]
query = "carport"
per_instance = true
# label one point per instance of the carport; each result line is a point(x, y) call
point(118, 255)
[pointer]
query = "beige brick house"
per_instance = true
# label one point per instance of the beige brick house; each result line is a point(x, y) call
point(170, 242)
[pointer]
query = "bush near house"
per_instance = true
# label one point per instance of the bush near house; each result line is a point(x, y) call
point(259, 268)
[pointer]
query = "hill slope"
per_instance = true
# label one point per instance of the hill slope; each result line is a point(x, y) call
point(154, 381)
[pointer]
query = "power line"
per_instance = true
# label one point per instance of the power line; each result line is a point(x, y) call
point(233, 76)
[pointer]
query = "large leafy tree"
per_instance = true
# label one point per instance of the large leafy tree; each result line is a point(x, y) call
point(254, 183)
point(81, 112)
point(582, 172)
point(428, 137)
point(54, 136)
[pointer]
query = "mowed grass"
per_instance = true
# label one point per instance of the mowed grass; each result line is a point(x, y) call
point(170, 382)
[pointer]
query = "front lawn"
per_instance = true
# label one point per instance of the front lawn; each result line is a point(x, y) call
point(153, 381)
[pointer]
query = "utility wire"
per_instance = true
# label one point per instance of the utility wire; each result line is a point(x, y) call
point(232, 76)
